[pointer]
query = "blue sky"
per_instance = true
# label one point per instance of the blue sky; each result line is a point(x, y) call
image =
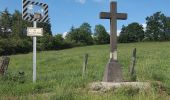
point(67, 13)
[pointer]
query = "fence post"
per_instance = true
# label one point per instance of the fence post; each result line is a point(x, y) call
point(4, 65)
point(85, 65)
point(133, 64)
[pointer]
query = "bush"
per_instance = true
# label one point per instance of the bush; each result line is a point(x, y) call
point(18, 77)
point(14, 45)
point(66, 94)
point(132, 33)
point(127, 90)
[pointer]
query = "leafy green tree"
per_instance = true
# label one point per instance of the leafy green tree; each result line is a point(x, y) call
point(81, 35)
point(46, 28)
point(5, 19)
point(72, 36)
point(86, 27)
point(85, 37)
point(5, 23)
point(10, 46)
point(132, 33)
point(58, 41)
point(45, 43)
point(13, 37)
point(123, 37)
point(102, 37)
point(17, 24)
point(85, 34)
point(59, 38)
point(166, 28)
point(157, 27)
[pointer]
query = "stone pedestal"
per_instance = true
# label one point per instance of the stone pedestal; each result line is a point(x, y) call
point(107, 86)
point(113, 72)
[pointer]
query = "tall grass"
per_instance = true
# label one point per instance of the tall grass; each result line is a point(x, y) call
point(59, 73)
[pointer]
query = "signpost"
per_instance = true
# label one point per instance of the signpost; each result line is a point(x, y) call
point(113, 69)
point(41, 15)
point(34, 54)
point(34, 31)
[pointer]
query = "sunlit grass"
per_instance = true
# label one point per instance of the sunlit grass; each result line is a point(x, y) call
point(59, 72)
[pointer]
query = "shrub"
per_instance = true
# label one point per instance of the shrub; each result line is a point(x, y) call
point(15, 77)
point(14, 45)
point(127, 90)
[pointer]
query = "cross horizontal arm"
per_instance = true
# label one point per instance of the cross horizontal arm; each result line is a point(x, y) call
point(122, 16)
point(105, 15)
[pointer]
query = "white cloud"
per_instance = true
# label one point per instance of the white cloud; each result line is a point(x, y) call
point(144, 26)
point(64, 34)
point(81, 1)
point(118, 32)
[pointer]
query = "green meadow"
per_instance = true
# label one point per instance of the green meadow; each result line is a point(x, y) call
point(59, 73)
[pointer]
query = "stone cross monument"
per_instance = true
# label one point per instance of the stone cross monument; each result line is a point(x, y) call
point(113, 69)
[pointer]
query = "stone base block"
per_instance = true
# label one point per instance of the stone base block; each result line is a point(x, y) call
point(106, 86)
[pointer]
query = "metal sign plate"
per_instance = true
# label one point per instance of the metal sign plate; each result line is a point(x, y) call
point(34, 31)
point(30, 16)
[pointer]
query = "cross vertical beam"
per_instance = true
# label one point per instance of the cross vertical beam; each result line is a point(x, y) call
point(113, 69)
point(113, 32)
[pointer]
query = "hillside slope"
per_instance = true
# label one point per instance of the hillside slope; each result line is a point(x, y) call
point(59, 72)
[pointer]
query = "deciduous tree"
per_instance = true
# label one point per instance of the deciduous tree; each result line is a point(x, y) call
point(132, 33)
point(102, 37)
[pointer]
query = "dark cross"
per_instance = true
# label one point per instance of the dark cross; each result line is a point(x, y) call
point(113, 69)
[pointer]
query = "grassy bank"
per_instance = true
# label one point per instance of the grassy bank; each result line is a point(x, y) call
point(59, 73)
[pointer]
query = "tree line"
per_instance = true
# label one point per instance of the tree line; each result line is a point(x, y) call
point(157, 29)
point(13, 38)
